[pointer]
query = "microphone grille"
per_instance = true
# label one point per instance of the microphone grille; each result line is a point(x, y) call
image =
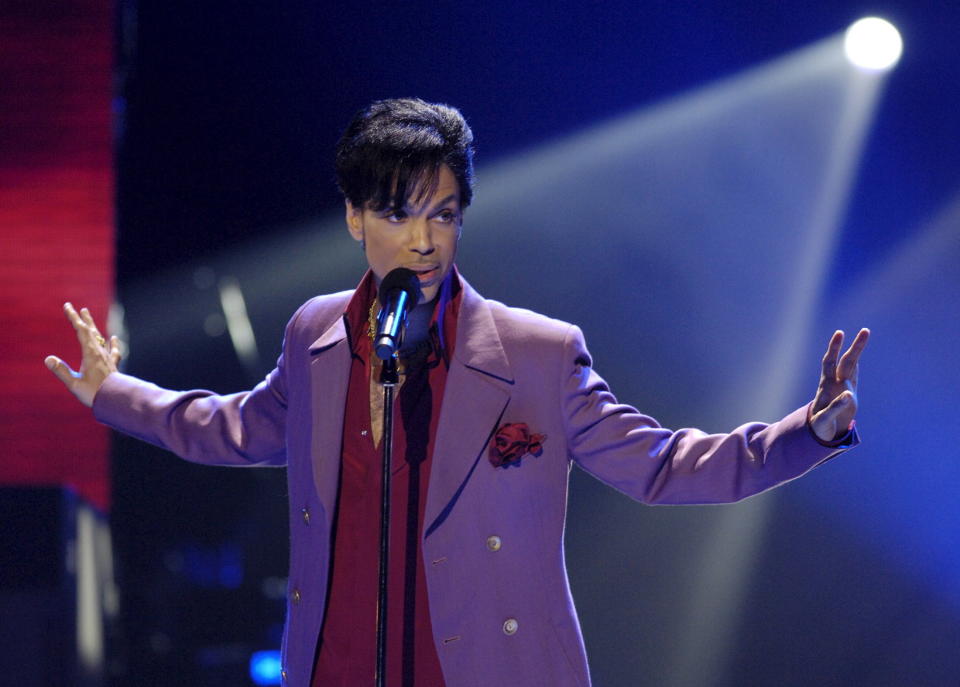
point(400, 278)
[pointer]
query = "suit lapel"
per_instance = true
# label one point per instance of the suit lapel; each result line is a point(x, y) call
point(477, 394)
point(329, 380)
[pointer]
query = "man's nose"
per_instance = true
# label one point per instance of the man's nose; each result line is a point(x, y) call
point(421, 238)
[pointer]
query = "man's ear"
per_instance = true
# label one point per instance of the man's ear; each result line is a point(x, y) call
point(354, 218)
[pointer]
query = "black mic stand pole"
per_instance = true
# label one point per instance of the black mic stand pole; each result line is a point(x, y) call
point(398, 292)
point(388, 380)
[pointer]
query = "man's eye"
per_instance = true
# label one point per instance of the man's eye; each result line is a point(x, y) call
point(447, 216)
point(395, 216)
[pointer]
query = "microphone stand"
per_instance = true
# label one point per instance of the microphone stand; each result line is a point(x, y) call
point(398, 292)
point(389, 378)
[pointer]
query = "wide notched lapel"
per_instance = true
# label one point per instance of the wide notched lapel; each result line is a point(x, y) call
point(477, 394)
point(329, 381)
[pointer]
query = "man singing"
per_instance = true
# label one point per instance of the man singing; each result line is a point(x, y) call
point(493, 407)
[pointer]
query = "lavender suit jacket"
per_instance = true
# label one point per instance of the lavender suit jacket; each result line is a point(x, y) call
point(509, 365)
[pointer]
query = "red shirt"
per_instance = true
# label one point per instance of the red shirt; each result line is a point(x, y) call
point(346, 654)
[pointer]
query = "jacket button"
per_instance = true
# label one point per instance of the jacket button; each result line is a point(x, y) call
point(295, 596)
point(510, 626)
point(493, 542)
point(306, 515)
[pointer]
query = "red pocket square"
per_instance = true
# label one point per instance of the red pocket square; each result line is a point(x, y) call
point(513, 441)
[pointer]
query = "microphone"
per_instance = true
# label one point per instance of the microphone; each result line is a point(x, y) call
point(399, 293)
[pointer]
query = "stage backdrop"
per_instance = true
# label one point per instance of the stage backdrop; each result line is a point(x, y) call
point(56, 219)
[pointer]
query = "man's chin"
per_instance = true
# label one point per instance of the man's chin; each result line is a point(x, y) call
point(428, 294)
point(430, 286)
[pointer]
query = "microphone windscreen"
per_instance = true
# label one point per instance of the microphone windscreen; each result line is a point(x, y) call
point(400, 278)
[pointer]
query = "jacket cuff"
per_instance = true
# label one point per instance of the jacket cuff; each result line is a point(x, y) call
point(111, 404)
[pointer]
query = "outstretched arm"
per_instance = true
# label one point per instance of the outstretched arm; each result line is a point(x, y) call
point(99, 357)
point(200, 426)
point(633, 453)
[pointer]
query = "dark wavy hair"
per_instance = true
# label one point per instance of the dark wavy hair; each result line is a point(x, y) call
point(394, 148)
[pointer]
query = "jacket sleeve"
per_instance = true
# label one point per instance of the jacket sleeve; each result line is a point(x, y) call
point(243, 429)
point(634, 454)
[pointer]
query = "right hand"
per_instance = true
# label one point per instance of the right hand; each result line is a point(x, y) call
point(100, 357)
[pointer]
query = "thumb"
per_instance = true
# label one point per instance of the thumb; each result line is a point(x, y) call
point(827, 422)
point(60, 369)
point(839, 404)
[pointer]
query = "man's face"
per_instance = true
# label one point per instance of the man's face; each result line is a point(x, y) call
point(421, 236)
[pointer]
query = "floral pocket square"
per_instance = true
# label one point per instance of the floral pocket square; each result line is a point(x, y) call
point(513, 441)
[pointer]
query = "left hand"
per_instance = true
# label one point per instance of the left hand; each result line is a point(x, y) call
point(835, 404)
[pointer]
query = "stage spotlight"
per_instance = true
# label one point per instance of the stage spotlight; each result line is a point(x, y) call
point(873, 44)
point(265, 668)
